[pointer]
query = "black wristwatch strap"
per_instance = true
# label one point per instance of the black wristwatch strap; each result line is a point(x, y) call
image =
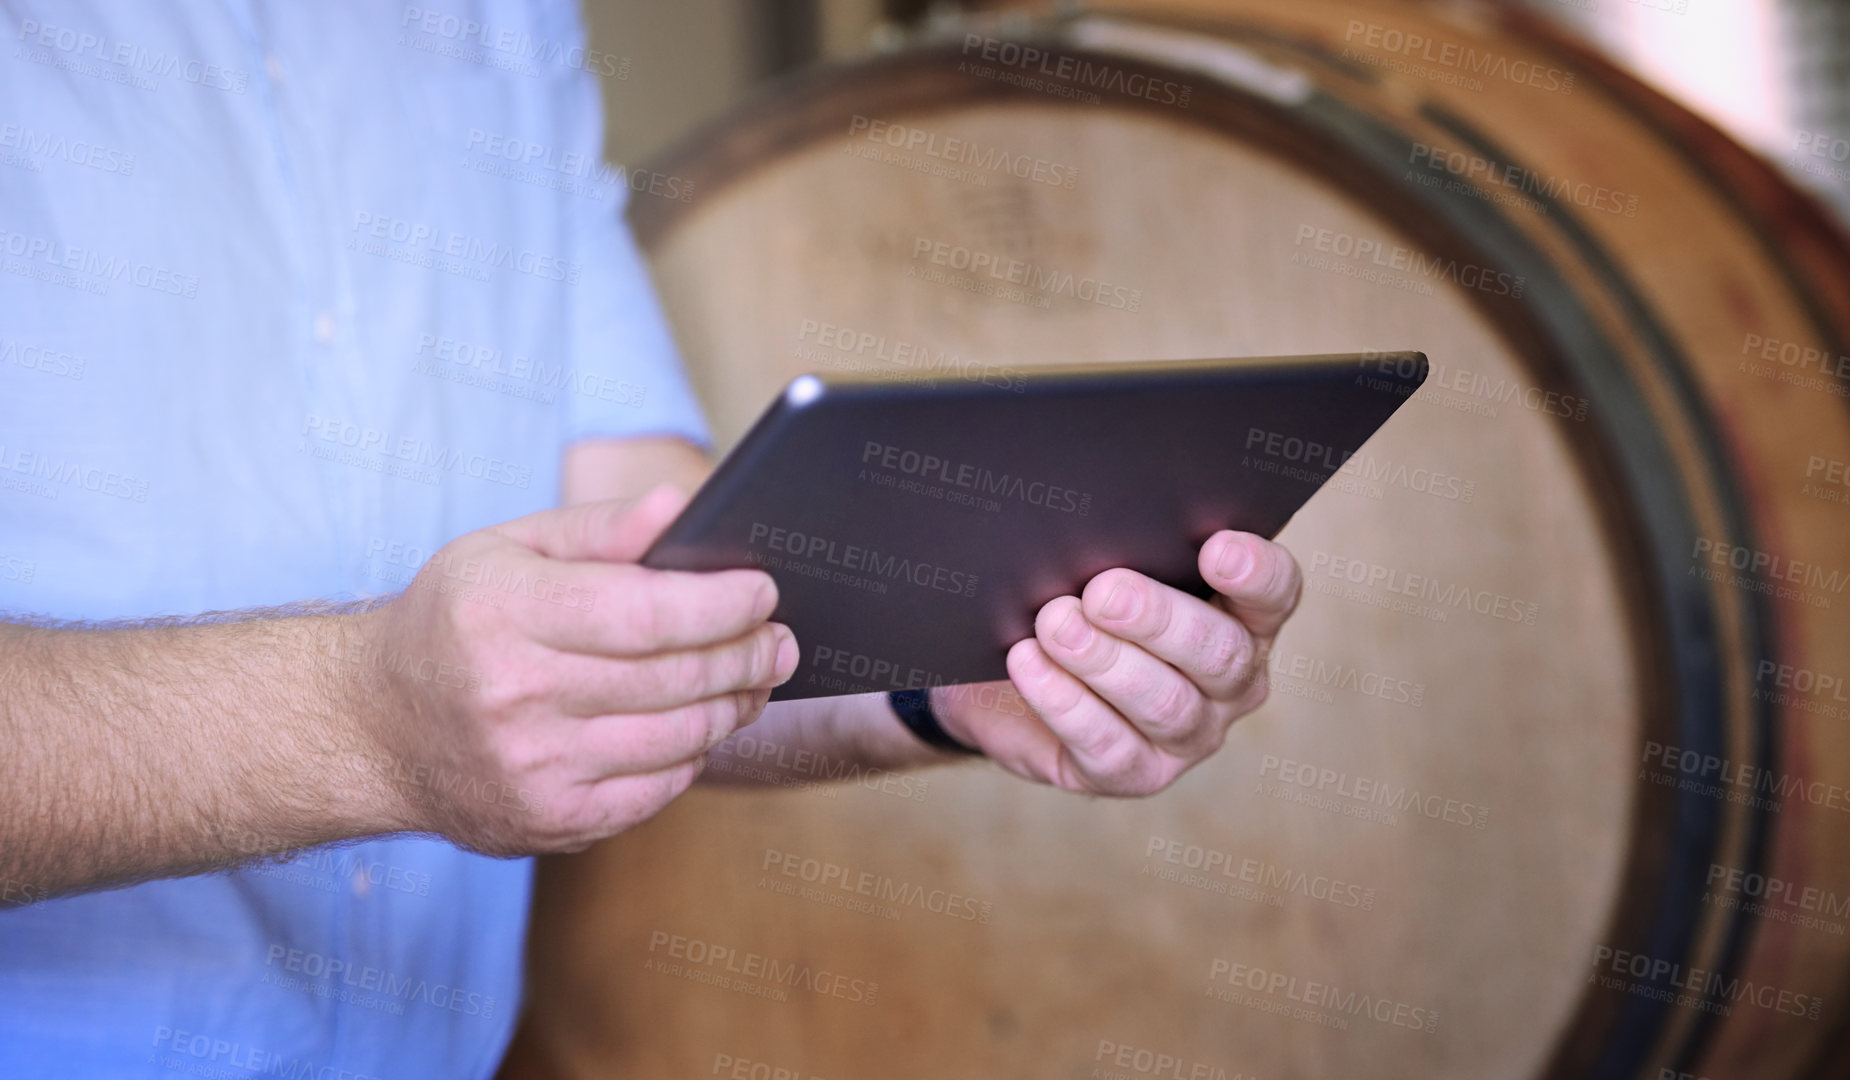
point(913, 707)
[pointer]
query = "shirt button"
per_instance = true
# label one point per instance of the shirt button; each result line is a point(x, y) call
point(274, 66)
point(324, 328)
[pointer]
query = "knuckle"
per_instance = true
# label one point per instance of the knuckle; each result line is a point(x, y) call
point(1174, 706)
point(1158, 614)
point(1222, 654)
point(668, 785)
point(1294, 581)
point(517, 754)
point(715, 720)
point(1278, 584)
point(761, 659)
point(1126, 767)
point(1255, 694)
point(644, 621)
point(508, 689)
point(665, 678)
point(1103, 744)
point(1056, 700)
point(1052, 614)
point(686, 676)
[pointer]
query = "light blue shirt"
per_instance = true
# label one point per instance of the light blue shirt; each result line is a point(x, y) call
point(291, 294)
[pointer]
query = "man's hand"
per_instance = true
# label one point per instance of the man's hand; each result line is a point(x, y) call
point(594, 687)
point(1130, 684)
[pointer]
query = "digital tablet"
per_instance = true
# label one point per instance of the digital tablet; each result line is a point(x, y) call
point(914, 530)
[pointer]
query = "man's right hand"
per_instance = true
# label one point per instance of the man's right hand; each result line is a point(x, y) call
point(546, 691)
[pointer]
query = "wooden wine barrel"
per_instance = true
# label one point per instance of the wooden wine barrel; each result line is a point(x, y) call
point(1554, 776)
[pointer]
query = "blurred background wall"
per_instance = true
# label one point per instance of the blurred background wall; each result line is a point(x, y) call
point(1693, 310)
point(1772, 72)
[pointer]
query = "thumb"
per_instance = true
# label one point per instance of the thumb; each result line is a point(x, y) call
point(610, 530)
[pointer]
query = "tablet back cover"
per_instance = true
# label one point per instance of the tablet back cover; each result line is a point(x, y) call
point(914, 531)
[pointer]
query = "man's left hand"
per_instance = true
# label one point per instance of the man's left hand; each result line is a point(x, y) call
point(1133, 682)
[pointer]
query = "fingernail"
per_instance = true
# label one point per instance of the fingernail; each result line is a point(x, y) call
point(1235, 559)
point(787, 655)
point(1075, 632)
point(1121, 603)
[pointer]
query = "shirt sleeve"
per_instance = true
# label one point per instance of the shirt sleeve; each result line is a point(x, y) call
point(619, 337)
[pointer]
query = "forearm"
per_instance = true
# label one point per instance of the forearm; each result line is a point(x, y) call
point(816, 738)
point(158, 751)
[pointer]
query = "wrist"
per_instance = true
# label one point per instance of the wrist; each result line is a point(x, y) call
point(370, 701)
point(918, 711)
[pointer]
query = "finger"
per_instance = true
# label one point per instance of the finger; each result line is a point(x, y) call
point(593, 686)
point(621, 609)
point(623, 802)
point(1154, 697)
point(1206, 644)
point(1259, 579)
point(629, 745)
point(1099, 750)
point(610, 530)
point(1005, 728)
